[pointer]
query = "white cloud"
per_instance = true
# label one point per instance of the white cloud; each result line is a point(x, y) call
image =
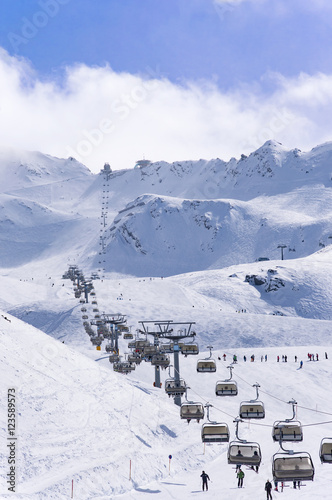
point(98, 115)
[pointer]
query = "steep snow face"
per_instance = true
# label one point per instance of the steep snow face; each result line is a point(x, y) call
point(200, 214)
point(161, 236)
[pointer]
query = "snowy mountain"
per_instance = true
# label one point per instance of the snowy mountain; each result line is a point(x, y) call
point(180, 242)
point(234, 212)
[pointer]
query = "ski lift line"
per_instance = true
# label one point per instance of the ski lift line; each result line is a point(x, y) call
point(213, 406)
point(283, 401)
point(251, 423)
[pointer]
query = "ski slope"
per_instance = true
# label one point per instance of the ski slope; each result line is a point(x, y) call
point(80, 421)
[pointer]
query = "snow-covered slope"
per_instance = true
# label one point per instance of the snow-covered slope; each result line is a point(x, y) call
point(110, 434)
point(234, 212)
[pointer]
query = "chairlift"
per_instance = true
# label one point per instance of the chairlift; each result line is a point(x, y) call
point(128, 336)
point(96, 341)
point(289, 429)
point(149, 351)
point(325, 451)
point(108, 348)
point(214, 432)
point(140, 344)
point(207, 365)
point(242, 452)
point(175, 387)
point(290, 466)
point(134, 358)
point(123, 367)
point(167, 348)
point(191, 410)
point(83, 309)
point(85, 316)
point(189, 349)
point(226, 387)
point(253, 408)
point(114, 358)
point(160, 359)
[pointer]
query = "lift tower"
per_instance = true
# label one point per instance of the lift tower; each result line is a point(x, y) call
point(167, 329)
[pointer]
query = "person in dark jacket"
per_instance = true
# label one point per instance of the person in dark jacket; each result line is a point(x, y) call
point(268, 488)
point(205, 479)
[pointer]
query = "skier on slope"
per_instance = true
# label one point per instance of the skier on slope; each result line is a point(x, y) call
point(268, 488)
point(205, 479)
point(240, 476)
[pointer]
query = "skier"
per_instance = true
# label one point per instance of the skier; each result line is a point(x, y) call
point(240, 476)
point(268, 488)
point(205, 479)
point(224, 356)
point(301, 364)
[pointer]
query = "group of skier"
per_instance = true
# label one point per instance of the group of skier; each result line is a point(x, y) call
point(240, 476)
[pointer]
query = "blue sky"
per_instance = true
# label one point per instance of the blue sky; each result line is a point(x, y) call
point(246, 52)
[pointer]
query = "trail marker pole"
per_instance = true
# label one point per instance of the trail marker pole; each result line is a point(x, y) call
point(72, 488)
point(169, 464)
point(129, 470)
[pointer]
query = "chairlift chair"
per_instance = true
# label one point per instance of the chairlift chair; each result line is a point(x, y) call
point(167, 348)
point(253, 408)
point(191, 411)
point(134, 358)
point(207, 365)
point(290, 466)
point(244, 453)
point(128, 336)
point(226, 387)
point(114, 358)
point(96, 341)
point(325, 451)
point(149, 351)
point(160, 359)
point(214, 432)
point(288, 430)
point(189, 349)
point(175, 387)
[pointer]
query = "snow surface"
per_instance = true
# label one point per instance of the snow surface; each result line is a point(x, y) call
point(77, 419)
